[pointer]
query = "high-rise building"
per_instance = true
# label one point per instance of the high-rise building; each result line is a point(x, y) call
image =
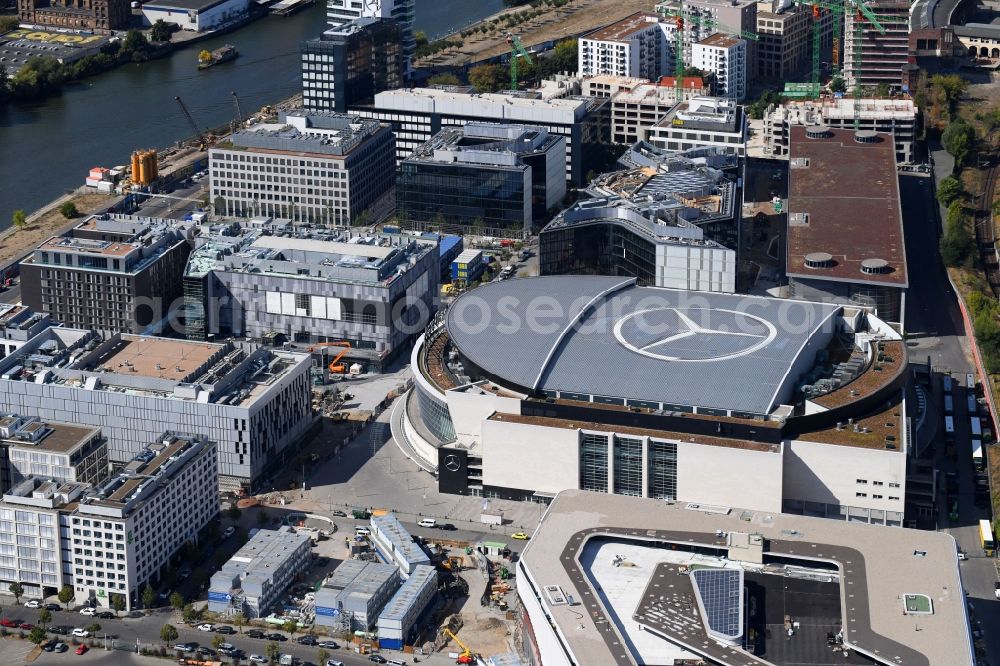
point(62, 452)
point(339, 12)
point(318, 167)
point(883, 56)
point(725, 58)
point(348, 64)
point(636, 46)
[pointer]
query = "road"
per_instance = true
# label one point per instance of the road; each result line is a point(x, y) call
point(176, 204)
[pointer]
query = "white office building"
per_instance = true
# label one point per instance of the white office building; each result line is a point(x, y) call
point(725, 58)
point(702, 122)
point(340, 12)
point(636, 46)
point(61, 452)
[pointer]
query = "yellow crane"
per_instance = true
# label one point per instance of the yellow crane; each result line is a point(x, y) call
point(466, 657)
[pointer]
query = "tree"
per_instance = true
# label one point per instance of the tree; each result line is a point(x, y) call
point(44, 616)
point(190, 614)
point(37, 636)
point(65, 594)
point(217, 641)
point(68, 210)
point(444, 79)
point(322, 656)
point(883, 90)
point(290, 627)
point(958, 139)
point(957, 245)
point(148, 596)
point(135, 45)
point(20, 219)
point(239, 619)
point(768, 98)
point(234, 512)
point(118, 602)
point(272, 651)
point(949, 190)
point(17, 590)
point(93, 628)
point(488, 78)
point(948, 88)
point(838, 85)
point(161, 31)
point(168, 634)
point(176, 600)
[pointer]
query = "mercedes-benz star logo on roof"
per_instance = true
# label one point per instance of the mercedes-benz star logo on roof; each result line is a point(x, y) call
point(452, 463)
point(671, 334)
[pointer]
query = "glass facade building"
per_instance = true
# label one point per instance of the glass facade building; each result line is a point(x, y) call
point(628, 466)
point(597, 249)
point(594, 462)
point(662, 478)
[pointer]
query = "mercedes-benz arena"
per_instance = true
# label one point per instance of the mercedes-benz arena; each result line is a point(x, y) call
point(531, 386)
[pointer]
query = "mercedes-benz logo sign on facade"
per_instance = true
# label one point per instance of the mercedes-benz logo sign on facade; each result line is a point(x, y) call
point(452, 462)
point(672, 334)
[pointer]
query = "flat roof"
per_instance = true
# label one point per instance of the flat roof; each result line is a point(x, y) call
point(844, 209)
point(156, 357)
point(720, 40)
point(604, 336)
point(878, 565)
point(323, 247)
point(628, 26)
point(55, 437)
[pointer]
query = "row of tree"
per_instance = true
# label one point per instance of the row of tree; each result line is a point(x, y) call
point(494, 77)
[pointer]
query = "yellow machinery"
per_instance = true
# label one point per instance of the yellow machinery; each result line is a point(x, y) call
point(144, 167)
point(335, 366)
point(466, 657)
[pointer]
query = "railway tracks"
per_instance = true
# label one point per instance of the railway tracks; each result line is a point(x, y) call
point(986, 239)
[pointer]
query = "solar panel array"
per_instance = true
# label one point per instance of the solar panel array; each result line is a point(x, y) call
point(720, 591)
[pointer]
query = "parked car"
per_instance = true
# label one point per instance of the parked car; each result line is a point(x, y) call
point(89, 611)
point(228, 532)
point(205, 651)
point(377, 658)
point(27, 626)
point(32, 603)
point(53, 607)
point(60, 629)
point(450, 527)
point(106, 615)
point(80, 633)
point(206, 626)
point(60, 647)
point(334, 662)
point(185, 647)
point(10, 624)
point(280, 638)
point(257, 659)
point(338, 513)
point(256, 633)
point(225, 629)
point(81, 649)
point(308, 639)
point(520, 536)
point(49, 646)
point(996, 590)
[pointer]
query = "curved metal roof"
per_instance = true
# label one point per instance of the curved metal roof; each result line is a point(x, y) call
point(606, 337)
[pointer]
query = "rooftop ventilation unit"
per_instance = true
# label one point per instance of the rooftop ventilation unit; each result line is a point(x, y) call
point(819, 260)
point(866, 136)
point(875, 267)
point(818, 132)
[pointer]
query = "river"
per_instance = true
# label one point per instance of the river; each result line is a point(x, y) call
point(48, 147)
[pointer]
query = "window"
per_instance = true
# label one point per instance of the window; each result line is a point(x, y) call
point(863, 481)
point(594, 462)
point(877, 483)
point(861, 494)
point(628, 466)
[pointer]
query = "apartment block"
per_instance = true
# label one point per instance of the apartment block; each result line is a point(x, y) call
point(725, 58)
point(636, 46)
point(883, 57)
point(60, 452)
point(371, 294)
point(785, 38)
point(340, 12)
point(316, 167)
point(635, 110)
point(350, 63)
point(109, 272)
point(418, 114)
point(706, 17)
point(253, 401)
point(257, 575)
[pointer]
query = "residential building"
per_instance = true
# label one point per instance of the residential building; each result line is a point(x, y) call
point(418, 114)
point(350, 63)
point(109, 272)
point(316, 167)
point(502, 179)
point(257, 575)
point(395, 545)
point(788, 406)
point(702, 122)
point(721, 563)
point(340, 12)
point(785, 38)
point(884, 56)
point(100, 16)
point(373, 293)
point(725, 58)
point(705, 17)
point(255, 402)
point(195, 15)
point(18, 324)
point(400, 615)
point(60, 452)
point(636, 46)
point(354, 595)
point(897, 117)
point(125, 531)
point(845, 229)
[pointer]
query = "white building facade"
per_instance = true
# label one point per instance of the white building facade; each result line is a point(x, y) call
point(726, 59)
point(636, 46)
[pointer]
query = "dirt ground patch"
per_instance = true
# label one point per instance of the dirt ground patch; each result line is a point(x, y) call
point(14, 242)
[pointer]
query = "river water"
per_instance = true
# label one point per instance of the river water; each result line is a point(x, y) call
point(48, 147)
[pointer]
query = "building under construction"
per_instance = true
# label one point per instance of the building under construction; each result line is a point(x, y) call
point(871, 56)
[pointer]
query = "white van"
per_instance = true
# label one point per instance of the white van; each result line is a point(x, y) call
point(427, 522)
point(362, 531)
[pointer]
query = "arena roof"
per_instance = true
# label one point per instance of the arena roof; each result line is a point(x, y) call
point(607, 338)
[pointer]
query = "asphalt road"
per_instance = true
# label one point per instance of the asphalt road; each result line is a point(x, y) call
point(175, 204)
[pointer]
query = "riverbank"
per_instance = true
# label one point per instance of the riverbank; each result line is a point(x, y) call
point(549, 25)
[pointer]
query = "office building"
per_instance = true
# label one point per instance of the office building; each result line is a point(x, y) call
point(18, 324)
point(395, 545)
point(374, 293)
point(702, 122)
point(109, 272)
point(418, 114)
point(60, 452)
point(884, 54)
point(897, 117)
point(314, 167)
point(845, 228)
point(354, 595)
point(101, 16)
point(866, 594)
point(350, 63)
point(725, 58)
point(789, 406)
point(254, 402)
point(605, 85)
point(636, 46)
point(500, 179)
point(340, 12)
point(400, 615)
point(635, 110)
point(257, 575)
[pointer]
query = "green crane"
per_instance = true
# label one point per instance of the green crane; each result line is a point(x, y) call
point(703, 21)
point(517, 51)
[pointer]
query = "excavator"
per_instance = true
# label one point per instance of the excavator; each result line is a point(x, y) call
point(467, 657)
point(336, 367)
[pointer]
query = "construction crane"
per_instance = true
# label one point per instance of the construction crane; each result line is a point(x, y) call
point(335, 366)
point(466, 657)
point(239, 114)
point(680, 16)
point(517, 50)
point(202, 137)
point(833, 7)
